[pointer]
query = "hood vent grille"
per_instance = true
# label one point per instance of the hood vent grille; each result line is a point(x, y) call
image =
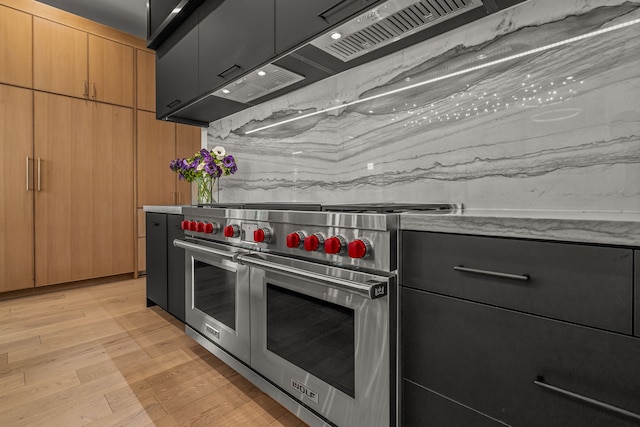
point(258, 83)
point(388, 23)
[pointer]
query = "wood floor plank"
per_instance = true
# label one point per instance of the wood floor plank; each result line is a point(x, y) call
point(98, 356)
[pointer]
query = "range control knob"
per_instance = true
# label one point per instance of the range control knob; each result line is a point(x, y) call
point(335, 245)
point(200, 227)
point(184, 224)
point(359, 248)
point(210, 227)
point(262, 235)
point(231, 231)
point(193, 226)
point(294, 240)
point(314, 242)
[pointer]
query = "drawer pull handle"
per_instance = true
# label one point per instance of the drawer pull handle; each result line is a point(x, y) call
point(230, 69)
point(540, 382)
point(322, 14)
point(491, 273)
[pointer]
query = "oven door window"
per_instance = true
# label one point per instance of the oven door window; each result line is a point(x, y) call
point(315, 335)
point(214, 292)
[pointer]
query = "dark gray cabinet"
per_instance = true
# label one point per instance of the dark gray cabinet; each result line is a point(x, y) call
point(165, 263)
point(478, 340)
point(177, 68)
point(636, 329)
point(488, 358)
point(234, 37)
point(300, 20)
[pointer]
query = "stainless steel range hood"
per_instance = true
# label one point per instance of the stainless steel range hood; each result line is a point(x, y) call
point(383, 29)
point(388, 23)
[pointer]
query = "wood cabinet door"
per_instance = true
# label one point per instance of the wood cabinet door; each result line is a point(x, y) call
point(16, 42)
point(110, 71)
point(146, 80)
point(59, 59)
point(84, 206)
point(188, 142)
point(156, 148)
point(16, 188)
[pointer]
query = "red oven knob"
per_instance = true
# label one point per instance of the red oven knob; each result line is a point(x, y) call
point(359, 248)
point(193, 226)
point(200, 227)
point(295, 239)
point(312, 243)
point(335, 245)
point(231, 231)
point(184, 224)
point(210, 228)
point(262, 235)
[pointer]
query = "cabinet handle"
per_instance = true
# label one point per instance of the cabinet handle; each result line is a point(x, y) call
point(173, 103)
point(85, 93)
point(39, 174)
point(28, 172)
point(228, 70)
point(179, 198)
point(93, 86)
point(491, 273)
point(322, 14)
point(540, 382)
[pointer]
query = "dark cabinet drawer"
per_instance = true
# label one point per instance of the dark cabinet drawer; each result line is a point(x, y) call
point(488, 358)
point(156, 229)
point(589, 285)
point(300, 20)
point(636, 329)
point(422, 408)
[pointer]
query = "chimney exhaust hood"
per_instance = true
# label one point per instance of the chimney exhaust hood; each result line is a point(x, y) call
point(379, 31)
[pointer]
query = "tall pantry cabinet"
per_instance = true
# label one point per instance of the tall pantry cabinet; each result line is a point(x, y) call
point(69, 90)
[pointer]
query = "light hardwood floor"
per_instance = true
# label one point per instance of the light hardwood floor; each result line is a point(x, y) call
point(98, 356)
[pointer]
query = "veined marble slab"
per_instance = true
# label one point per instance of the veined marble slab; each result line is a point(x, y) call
point(613, 228)
point(556, 129)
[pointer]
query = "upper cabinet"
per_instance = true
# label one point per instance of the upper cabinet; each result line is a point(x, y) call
point(71, 62)
point(16, 42)
point(298, 21)
point(234, 37)
point(177, 68)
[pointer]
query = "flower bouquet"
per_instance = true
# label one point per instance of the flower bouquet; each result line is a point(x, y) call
point(204, 168)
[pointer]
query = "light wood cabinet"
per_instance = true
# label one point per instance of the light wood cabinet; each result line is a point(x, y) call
point(188, 142)
point(146, 80)
point(84, 223)
point(16, 188)
point(72, 62)
point(16, 43)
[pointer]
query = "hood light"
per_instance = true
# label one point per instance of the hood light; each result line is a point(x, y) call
point(336, 35)
point(261, 73)
point(226, 91)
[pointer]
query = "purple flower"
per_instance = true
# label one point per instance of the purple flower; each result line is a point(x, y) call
point(228, 161)
point(181, 177)
point(233, 169)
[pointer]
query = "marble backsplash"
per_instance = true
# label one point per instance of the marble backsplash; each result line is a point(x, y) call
point(493, 114)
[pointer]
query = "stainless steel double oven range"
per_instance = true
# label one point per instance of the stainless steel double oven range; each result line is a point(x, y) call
point(301, 300)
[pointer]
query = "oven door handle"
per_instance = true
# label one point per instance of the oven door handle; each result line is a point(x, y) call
point(375, 288)
point(204, 250)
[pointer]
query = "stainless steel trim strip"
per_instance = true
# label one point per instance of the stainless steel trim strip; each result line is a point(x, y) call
point(373, 289)
point(589, 400)
point(203, 249)
point(523, 277)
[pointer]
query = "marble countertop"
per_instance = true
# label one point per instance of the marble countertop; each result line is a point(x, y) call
point(169, 209)
point(604, 227)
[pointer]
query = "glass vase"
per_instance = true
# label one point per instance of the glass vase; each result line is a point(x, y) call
point(204, 191)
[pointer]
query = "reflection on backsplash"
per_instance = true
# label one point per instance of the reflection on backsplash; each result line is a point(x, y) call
point(558, 128)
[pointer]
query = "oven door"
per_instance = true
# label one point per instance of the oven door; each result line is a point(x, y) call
point(323, 335)
point(217, 295)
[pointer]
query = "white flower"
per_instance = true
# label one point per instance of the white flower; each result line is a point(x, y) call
point(200, 166)
point(219, 152)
